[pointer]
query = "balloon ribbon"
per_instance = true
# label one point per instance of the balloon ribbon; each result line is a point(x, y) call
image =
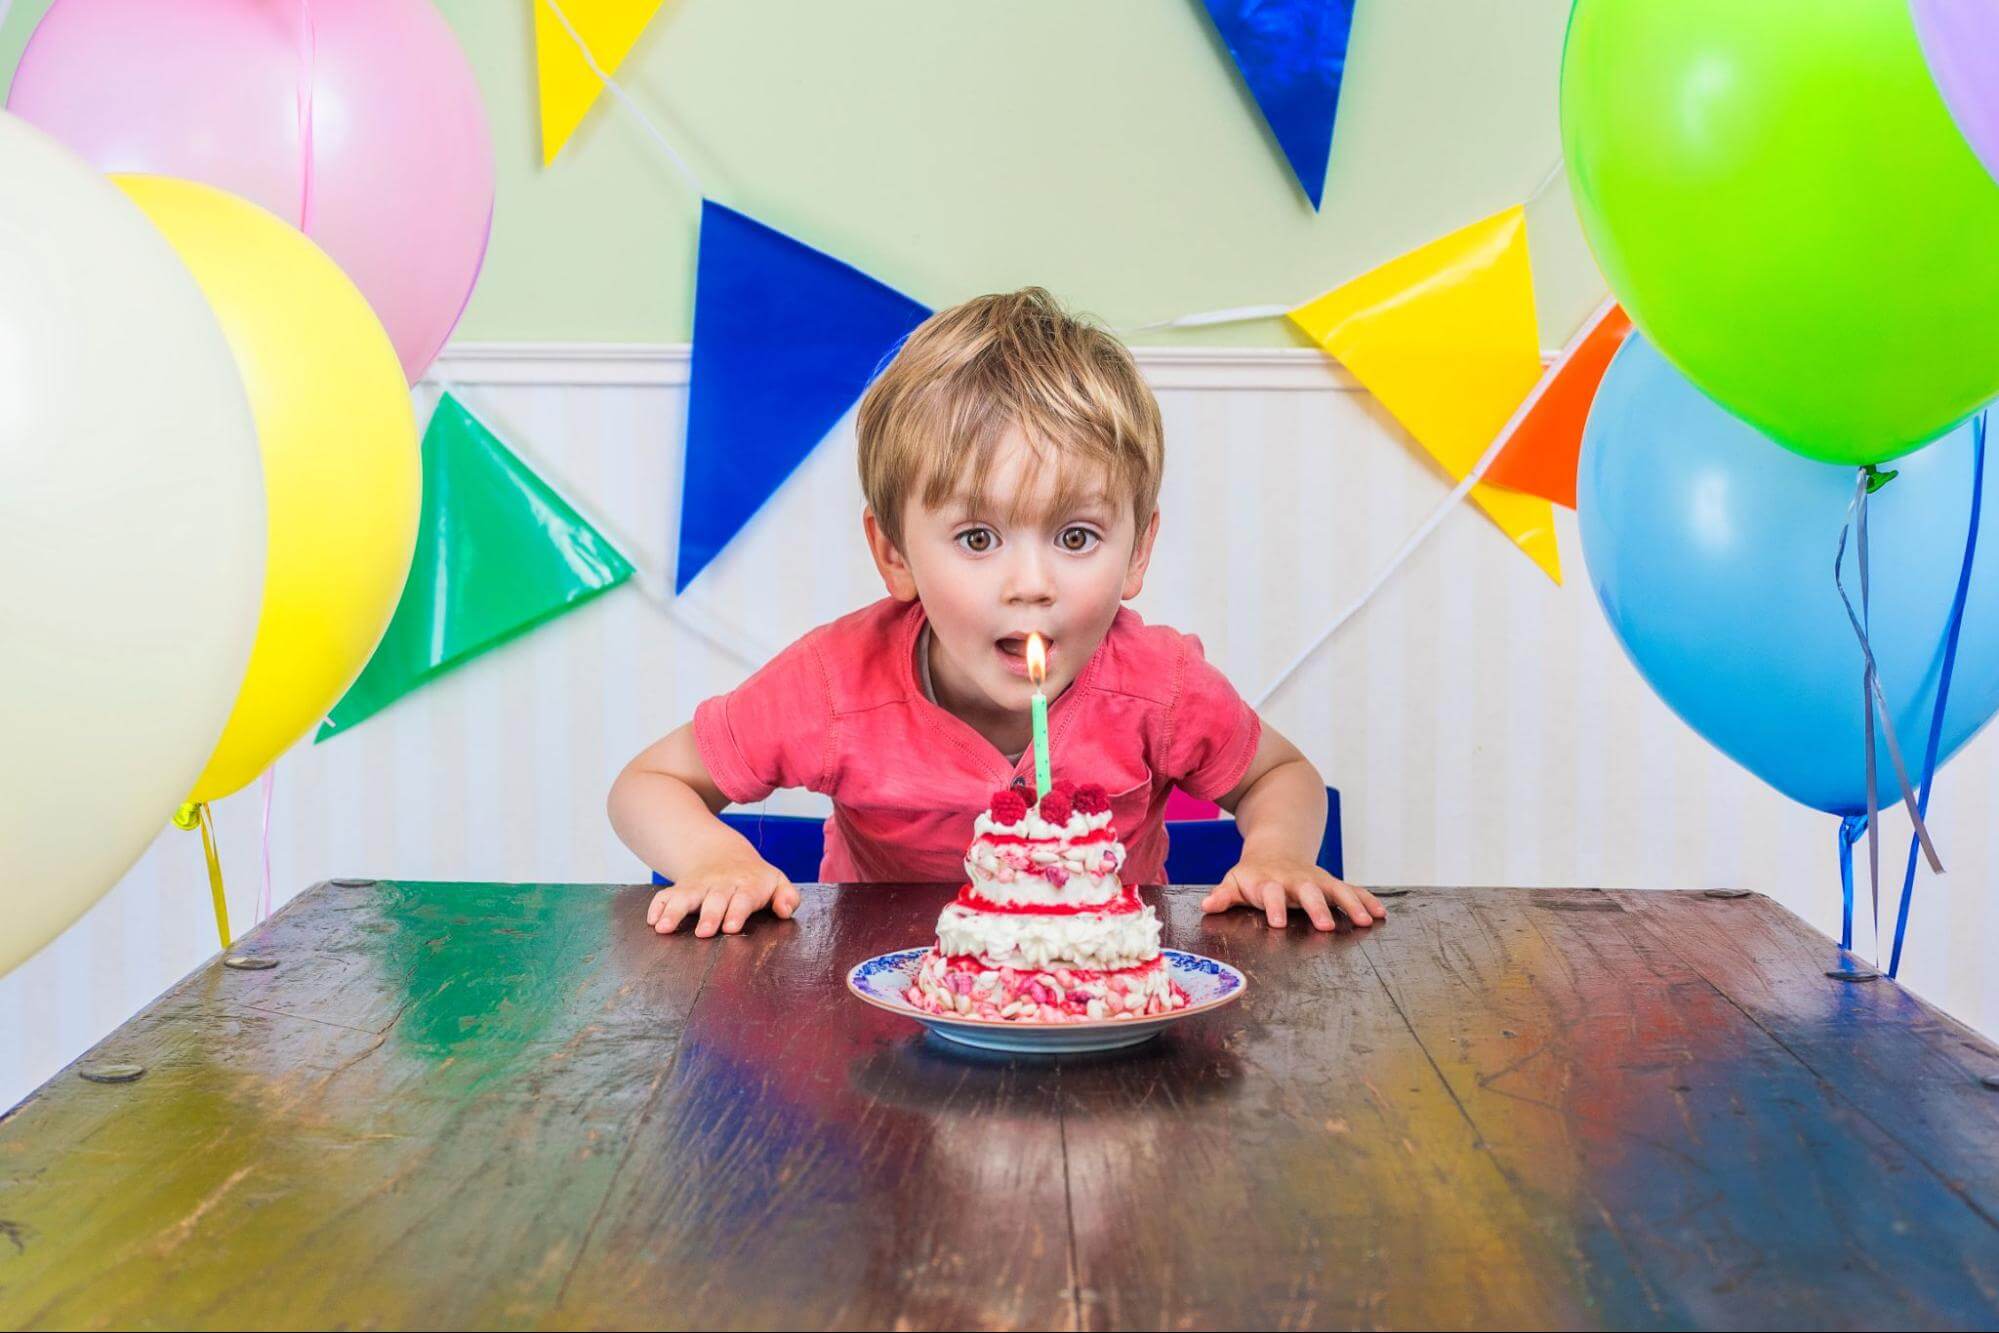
point(1955, 624)
point(193, 816)
point(1873, 700)
point(308, 59)
point(1850, 829)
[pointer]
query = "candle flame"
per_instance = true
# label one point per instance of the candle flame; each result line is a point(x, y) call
point(1037, 659)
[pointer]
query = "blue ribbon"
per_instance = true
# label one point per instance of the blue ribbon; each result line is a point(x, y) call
point(1850, 830)
point(1943, 680)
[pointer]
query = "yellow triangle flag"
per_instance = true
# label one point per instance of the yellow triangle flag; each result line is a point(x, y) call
point(1445, 338)
point(568, 88)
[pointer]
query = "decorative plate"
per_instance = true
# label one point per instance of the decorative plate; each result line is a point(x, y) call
point(1209, 985)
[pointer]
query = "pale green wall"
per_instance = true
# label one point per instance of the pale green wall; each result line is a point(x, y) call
point(1102, 148)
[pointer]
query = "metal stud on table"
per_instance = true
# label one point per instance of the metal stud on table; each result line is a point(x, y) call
point(1856, 972)
point(111, 1071)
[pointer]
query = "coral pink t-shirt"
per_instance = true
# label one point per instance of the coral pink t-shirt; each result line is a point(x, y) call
point(841, 712)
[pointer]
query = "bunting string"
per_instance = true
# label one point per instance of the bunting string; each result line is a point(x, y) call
point(1242, 314)
point(1554, 174)
point(624, 99)
point(1245, 314)
point(743, 647)
point(1401, 556)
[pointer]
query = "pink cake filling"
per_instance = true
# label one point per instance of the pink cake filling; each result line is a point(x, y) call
point(965, 987)
point(1126, 902)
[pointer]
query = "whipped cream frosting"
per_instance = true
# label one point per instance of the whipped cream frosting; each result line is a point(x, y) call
point(1054, 866)
point(1102, 940)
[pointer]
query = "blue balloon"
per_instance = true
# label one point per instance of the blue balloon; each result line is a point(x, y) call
point(1711, 551)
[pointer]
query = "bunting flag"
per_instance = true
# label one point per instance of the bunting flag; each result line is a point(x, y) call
point(1547, 437)
point(568, 88)
point(786, 338)
point(1445, 338)
point(1291, 54)
point(498, 552)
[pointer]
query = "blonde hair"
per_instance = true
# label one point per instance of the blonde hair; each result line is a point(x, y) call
point(966, 375)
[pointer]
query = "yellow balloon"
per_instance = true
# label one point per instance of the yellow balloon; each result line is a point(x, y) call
point(342, 469)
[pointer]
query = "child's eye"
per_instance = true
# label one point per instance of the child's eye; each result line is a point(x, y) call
point(1077, 540)
point(978, 540)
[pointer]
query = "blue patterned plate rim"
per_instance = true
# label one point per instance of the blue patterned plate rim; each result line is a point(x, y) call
point(1179, 960)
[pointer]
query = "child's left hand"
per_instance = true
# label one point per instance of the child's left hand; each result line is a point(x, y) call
point(1272, 885)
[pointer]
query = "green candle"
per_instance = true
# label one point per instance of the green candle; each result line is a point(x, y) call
point(1042, 780)
point(1037, 671)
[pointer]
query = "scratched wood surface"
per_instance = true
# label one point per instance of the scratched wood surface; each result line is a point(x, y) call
point(473, 1105)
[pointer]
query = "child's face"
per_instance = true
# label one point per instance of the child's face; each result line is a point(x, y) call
point(986, 581)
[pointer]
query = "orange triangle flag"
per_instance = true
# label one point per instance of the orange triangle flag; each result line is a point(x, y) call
point(1445, 338)
point(568, 88)
point(1547, 436)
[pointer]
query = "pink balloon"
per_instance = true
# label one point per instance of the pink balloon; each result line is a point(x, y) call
point(359, 120)
point(1961, 42)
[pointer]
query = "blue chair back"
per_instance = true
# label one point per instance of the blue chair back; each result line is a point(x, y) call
point(1202, 851)
point(1199, 851)
point(795, 844)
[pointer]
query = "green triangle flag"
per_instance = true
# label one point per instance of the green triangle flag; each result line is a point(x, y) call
point(498, 552)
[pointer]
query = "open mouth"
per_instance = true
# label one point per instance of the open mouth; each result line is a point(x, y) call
point(1013, 650)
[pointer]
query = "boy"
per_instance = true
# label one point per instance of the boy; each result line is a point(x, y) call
point(1011, 459)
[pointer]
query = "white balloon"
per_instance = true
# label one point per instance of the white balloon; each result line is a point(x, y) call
point(131, 536)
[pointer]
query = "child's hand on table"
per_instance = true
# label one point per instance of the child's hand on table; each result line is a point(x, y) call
point(726, 894)
point(1271, 885)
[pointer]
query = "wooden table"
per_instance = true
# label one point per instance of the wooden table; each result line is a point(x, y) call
point(469, 1105)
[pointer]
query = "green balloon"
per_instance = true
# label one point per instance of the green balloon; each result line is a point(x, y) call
point(1780, 199)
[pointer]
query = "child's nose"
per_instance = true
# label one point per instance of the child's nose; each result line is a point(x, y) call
point(1029, 579)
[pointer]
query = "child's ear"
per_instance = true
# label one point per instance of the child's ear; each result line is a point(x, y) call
point(901, 584)
point(1141, 558)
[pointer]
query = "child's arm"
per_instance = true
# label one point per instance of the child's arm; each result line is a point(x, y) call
point(1280, 806)
point(663, 807)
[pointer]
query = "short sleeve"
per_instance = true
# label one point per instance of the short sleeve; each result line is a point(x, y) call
point(1213, 732)
point(774, 730)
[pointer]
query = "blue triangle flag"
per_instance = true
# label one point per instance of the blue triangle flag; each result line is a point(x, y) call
point(786, 338)
point(1291, 53)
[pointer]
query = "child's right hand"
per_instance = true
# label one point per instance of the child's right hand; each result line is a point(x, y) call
point(726, 895)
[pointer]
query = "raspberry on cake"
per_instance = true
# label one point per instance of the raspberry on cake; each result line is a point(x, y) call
point(1009, 806)
point(1045, 931)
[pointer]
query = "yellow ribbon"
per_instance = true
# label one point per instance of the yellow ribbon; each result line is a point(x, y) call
point(195, 815)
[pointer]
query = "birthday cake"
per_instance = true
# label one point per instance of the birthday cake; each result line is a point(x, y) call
point(1045, 931)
